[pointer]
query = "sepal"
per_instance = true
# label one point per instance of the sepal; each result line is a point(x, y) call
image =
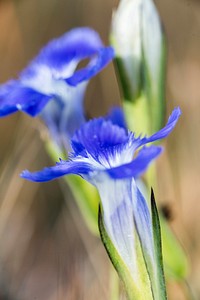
point(161, 287)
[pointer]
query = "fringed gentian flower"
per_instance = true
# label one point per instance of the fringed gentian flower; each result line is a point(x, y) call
point(107, 156)
point(52, 75)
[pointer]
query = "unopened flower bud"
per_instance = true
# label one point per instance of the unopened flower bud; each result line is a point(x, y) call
point(138, 40)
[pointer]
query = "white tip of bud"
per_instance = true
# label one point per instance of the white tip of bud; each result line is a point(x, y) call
point(136, 35)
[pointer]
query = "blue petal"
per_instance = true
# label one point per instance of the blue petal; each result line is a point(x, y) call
point(61, 169)
point(104, 56)
point(143, 223)
point(14, 96)
point(98, 137)
point(138, 165)
point(74, 45)
point(117, 117)
point(164, 132)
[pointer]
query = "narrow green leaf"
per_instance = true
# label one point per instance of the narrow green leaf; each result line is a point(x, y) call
point(158, 249)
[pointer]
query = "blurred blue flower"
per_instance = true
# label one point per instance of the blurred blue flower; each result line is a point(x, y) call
point(105, 155)
point(53, 75)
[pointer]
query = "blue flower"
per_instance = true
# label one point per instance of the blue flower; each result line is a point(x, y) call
point(105, 155)
point(52, 75)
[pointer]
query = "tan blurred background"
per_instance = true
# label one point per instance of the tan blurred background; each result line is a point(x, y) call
point(46, 252)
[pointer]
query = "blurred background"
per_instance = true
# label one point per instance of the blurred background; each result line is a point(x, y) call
point(46, 251)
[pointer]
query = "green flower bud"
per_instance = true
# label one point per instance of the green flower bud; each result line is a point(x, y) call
point(138, 40)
